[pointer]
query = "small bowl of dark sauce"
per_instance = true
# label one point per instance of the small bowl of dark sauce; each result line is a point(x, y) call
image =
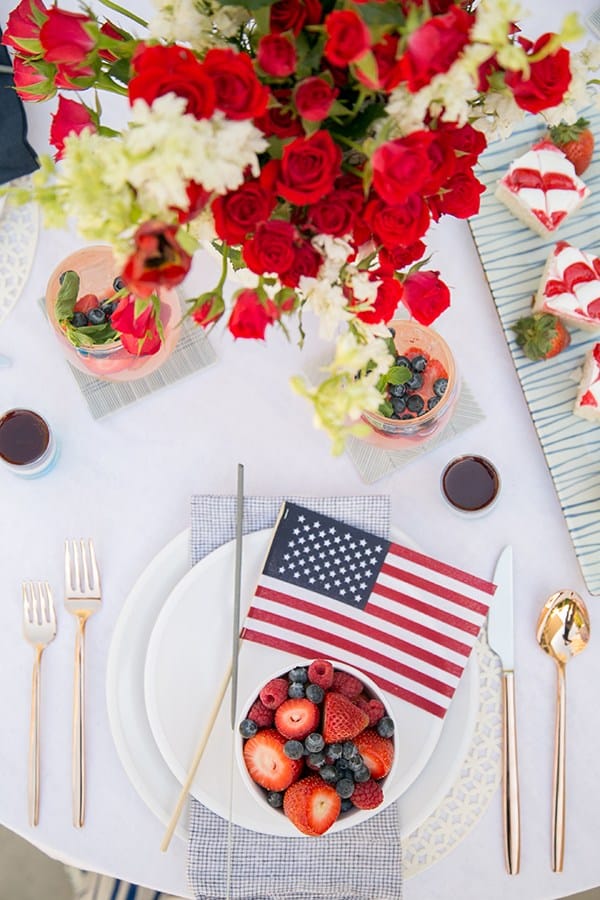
point(470, 484)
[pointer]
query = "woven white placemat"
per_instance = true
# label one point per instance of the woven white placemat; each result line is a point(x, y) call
point(19, 227)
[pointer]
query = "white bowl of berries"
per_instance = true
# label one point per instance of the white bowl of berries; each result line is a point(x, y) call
point(316, 746)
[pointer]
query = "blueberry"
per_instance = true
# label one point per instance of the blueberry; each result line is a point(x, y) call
point(347, 805)
point(62, 275)
point(96, 316)
point(109, 307)
point(293, 749)
point(296, 690)
point(385, 727)
point(362, 774)
point(329, 774)
point(349, 749)
point(248, 728)
point(403, 361)
point(79, 319)
point(275, 799)
point(407, 416)
point(315, 760)
point(345, 788)
point(299, 674)
point(315, 693)
point(433, 401)
point(397, 390)
point(415, 382)
point(415, 403)
point(440, 386)
point(118, 283)
point(333, 751)
point(356, 763)
point(419, 363)
point(342, 768)
point(398, 405)
point(315, 742)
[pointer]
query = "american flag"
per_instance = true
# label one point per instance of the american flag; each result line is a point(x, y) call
point(329, 590)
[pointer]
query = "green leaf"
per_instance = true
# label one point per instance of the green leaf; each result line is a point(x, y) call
point(91, 335)
point(382, 14)
point(251, 4)
point(120, 71)
point(386, 409)
point(398, 375)
point(67, 295)
point(367, 64)
point(140, 304)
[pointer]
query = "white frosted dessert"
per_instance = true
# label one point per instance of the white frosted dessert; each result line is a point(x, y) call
point(587, 402)
point(570, 287)
point(541, 188)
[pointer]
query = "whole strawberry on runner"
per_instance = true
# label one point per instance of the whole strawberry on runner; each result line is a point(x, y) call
point(576, 141)
point(541, 335)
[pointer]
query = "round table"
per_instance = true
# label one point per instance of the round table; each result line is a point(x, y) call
point(126, 481)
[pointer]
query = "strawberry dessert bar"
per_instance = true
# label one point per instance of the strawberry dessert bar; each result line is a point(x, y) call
point(542, 189)
point(570, 287)
point(587, 403)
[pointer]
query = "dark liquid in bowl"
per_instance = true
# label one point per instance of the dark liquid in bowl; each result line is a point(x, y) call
point(24, 437)
point(470, 483)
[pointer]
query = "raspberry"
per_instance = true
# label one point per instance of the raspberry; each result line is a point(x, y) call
point(321, 672)
point(260, 714)
point(346, 684)
point(274, 693)
point(375, 711)
point(367, 795)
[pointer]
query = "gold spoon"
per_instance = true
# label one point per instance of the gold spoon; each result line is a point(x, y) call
point(563, 631)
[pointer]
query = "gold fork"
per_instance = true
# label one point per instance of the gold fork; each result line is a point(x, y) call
point(39, 629)
point(83, 598)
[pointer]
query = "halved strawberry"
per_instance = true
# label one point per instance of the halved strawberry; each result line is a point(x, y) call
point(376, 751)
point(312, 805)
point(342, 719)
point(266, 762)
point(296, 718)
point(86, 302)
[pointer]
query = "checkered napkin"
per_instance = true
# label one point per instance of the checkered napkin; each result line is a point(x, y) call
point(361, 863)
point(375, 462)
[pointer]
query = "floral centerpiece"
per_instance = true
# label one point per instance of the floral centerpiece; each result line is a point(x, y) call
point(311, 142)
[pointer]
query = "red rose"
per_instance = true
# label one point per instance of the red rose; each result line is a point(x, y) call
point(467, 142)
point(293, 15)
point(309, 167)
point(425, 296)
point(33, 82)
point(272, 247)
point(459, 197)
point(198, 198)
point(22, 31)
point(434, 46)
point(398, 225)
point(314, 97)
point(146, 346)
point(388, 74)
point(485, 72)
point(116, 34)
point(70, 117)
point(402, 166)
point(158, 259)
point(335, 213)
point(67, 37)
point(238, 212)
point(389, 294)
point(348, 38)
point(307, 261)
point(280, 122)
point(239, 93)
point(74, 77)
point(249, 317)
point(442, 161)
point(125, 321)
point(208, 308)
point(548, 78)
point(172, 70)
point(276, 55)
point(394, 259)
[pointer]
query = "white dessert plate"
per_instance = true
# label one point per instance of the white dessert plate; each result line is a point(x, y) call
point(139, 754)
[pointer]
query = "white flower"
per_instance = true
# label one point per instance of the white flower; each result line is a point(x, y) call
point(327, 301)
point(363, 288)
point(201, 23)
point(493, 21)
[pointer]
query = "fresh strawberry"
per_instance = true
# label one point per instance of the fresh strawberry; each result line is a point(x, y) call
point(541, 335)
point(266, 762)
point(367, 794)
point(274, 692)
point(86, 302)
point(296, 718)
point(312, 805)
point(346, 684)
point(321, 672)
point(576, 141)
point(260, 714)
point(376, 751)
point(342, 719)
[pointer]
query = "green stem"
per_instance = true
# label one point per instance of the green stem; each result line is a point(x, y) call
point(105, 83)
point(124, 12)
point(224, 268)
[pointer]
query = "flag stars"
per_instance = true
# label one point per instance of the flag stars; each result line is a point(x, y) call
point(296, 531)
point(332, 530)
point(362, 542)
point(301, 518)
point(352, 546)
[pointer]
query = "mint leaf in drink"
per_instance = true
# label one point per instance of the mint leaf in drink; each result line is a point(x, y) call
point(67, 295)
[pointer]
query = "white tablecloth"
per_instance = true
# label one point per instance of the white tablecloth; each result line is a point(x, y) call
point(126, 481)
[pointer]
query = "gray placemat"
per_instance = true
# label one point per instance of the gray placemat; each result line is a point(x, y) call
point(361, 863)
point(192, 353)
point(374, 463)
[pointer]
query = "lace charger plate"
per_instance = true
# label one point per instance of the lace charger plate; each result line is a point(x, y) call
point(19, 227)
